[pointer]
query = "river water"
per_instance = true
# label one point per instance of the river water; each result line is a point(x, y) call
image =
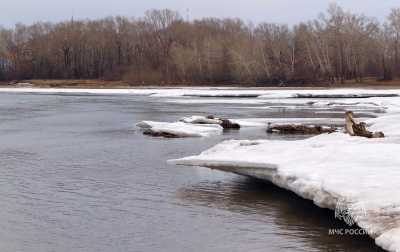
point(75, 175)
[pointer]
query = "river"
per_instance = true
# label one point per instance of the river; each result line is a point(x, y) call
point(76, 175)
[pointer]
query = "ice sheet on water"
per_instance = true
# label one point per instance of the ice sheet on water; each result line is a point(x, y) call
point(263, 122)
point(390, 240)
point(200, 120)
point(332, 93)
point(216, 92)
point(181, 129)
point(328, 168)
point(323, 169)
point(187, 100)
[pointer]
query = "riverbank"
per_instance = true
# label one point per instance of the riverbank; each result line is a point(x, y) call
point(96, 83)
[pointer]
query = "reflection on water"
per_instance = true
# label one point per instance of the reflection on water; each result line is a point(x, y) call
point(76, 176)
point(290, 216)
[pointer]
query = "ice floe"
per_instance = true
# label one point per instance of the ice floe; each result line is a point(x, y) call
point(332, 93)
point(263, 122)
point(390, 240)
point(193, 126)
point(191, 100)
point(181, 129)
point(201, 126)
point(327, 169)
point(323, 169)
point(201, 120)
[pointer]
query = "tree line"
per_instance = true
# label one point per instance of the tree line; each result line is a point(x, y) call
point(163, 48)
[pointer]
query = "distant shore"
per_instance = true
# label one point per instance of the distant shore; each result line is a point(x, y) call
point(93, 83)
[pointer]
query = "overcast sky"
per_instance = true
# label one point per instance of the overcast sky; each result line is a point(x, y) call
point(281, 11)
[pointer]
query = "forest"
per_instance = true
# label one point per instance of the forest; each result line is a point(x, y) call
point(163, 48)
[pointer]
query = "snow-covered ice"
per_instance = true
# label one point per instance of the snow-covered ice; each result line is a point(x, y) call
point(200, 120)
point(182, 129)
point(201, 126)
point(327, 169)
point(208, 92)
point(332, 93)
point(89, 91)
point(217, 100)
point(154, 92)
point(263, 122)
point(196, 126)
point(317, 169)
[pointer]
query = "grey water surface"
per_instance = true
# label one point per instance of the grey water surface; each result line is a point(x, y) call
point(75, 175)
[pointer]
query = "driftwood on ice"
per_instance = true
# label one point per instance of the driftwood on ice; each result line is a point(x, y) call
point(194, 126)
point(155, 133)
point(299, 129)
point(359, 129)
point(226, 123)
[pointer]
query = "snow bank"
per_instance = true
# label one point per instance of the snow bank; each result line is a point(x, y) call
point(181, 129)
point(328, 169)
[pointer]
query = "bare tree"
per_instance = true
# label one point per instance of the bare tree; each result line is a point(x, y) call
point(162, 48)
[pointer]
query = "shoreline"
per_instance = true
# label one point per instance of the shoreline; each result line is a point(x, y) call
point(216, 87)
point(260, 94)
point(103, 84)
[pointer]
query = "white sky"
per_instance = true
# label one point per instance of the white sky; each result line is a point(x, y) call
point(281, 11)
